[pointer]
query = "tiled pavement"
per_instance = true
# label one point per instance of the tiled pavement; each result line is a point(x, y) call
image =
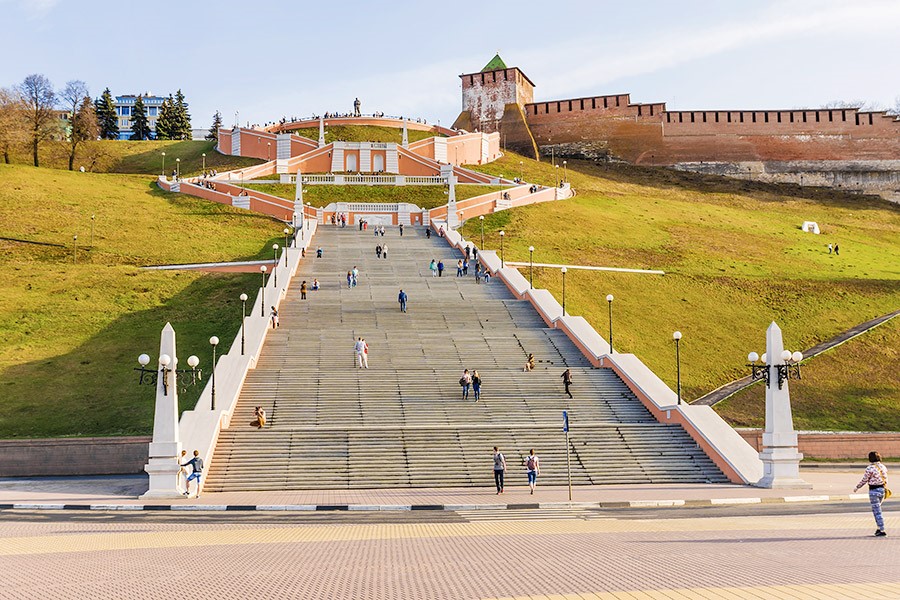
point(787, 556)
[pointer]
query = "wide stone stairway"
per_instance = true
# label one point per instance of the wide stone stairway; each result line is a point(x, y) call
point(402, 422)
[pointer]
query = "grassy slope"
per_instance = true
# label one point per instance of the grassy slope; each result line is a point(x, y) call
point(137, 157)
point(735, 260)
point(424, 196)
point(819, 399)
point(72, 332)
point(363, 133)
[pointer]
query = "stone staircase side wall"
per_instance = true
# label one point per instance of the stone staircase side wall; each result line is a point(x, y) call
point(199, 428)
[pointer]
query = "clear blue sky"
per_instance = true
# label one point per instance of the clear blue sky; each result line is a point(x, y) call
point(270, 58)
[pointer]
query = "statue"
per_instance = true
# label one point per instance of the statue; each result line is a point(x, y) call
point(356, 112)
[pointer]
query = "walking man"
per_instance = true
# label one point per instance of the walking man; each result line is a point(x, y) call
point(359, 349)
point(499, 469)
point(378, 251)
point(468, 251)
point(402, 299)
point(567, 380)
point(440, 268)
point(401, 229)
point(465, 381)
point(384, 251)
point(197, 467)
point(533, 466)
point(355, 273)
point(303, 291)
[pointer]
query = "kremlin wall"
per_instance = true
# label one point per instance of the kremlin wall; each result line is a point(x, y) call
point(838, 147)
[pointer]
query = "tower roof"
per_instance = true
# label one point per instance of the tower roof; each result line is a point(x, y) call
point(494, 64)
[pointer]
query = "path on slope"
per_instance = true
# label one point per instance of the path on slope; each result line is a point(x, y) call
point(403, 421)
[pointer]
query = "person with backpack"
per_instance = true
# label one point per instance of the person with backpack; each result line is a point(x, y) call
point(197, 467)
point(476, 385)
point(465, 381)
point(567, 380)
point(533, 467)
point(499, 469)
point(876, 478)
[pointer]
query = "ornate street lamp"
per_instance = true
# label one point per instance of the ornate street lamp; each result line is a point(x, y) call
point(204, 161)
point(275, 263)
point(481, 218)
point(163, 163)
point(502, 235)
point(150, 376)
point(788, 369)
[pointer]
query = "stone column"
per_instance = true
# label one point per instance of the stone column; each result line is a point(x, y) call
point(165, 448)
point(405, 141)
point(781, 460)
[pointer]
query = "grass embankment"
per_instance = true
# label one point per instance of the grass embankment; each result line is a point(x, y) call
point(854, 370)
point(735, 260)
point(364, 133)
point(72, 332)
point(424, 196)
point(113, 156)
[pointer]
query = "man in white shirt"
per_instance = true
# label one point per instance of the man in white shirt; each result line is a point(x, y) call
point(360, 349)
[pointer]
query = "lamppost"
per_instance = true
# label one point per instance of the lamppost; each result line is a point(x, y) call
point(565, 173)
point(149, 376)
point(213, 341)
point(164, 163)
point(243, 319)
point(177, 168)
point(521, 170)
point(677, 337)
point(286, 233)
point(789, 369)
point(530, 267)
point(275, 263)
point(481, 218)
point(92, 230)
point(556, 169)
point(502, 235)
point(563, 271)
point(609, 300)
point(262, 304)
point(75, 249)
point(204, 161)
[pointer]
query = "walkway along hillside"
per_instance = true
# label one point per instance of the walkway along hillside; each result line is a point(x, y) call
point(402, 422)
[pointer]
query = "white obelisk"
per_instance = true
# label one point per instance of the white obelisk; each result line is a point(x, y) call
point(781, 460)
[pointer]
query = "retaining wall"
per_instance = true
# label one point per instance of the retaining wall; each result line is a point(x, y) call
point(836, 444)
point(73, 456)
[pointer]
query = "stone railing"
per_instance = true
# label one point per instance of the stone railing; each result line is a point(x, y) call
point(199, 428)
point(737, 459)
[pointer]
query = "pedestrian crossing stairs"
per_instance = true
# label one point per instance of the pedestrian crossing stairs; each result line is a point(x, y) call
point(403, 421)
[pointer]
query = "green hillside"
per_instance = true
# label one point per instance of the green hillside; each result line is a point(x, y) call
point(735, 259)
point(145, 157)
point(72, 332)
point(363, 133)
point(424, 196)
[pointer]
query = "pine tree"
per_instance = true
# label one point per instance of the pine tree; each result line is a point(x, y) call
point(214, 130)
point(140, 125)
point(182, 120)
point(106, 116)
point(164, 124)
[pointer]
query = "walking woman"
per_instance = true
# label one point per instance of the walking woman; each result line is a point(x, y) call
point(876, 478)
point(567, 380)
point(476, 385)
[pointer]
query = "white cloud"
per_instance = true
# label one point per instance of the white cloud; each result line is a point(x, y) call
point(37, 9)
point(662, 50)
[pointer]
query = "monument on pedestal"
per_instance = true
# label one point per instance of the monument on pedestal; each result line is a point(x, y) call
point(781, 460)
point(165, 448)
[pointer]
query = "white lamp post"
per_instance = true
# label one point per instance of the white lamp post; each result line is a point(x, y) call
point(481, 218)
point(530, 267)
point(563, 271)
point(502, 235)
point(609, 301)
point(677, 337)
point(204, 161)
point(262, 304)
point(213, 341)
point(243, 319)
point(275, 263)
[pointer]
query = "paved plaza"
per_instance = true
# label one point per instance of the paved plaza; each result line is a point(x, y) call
point(741, 552)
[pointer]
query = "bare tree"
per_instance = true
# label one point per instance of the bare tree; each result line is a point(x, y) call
point(862, 105)
point(13, 123)
point(896, 109)
point(83, 125)
point(40, 100)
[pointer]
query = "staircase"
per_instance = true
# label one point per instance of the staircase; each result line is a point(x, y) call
point(402, 422)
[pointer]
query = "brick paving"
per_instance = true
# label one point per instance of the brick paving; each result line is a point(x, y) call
point(784, 556)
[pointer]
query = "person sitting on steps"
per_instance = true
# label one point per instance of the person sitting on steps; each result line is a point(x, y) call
point(529, 364)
